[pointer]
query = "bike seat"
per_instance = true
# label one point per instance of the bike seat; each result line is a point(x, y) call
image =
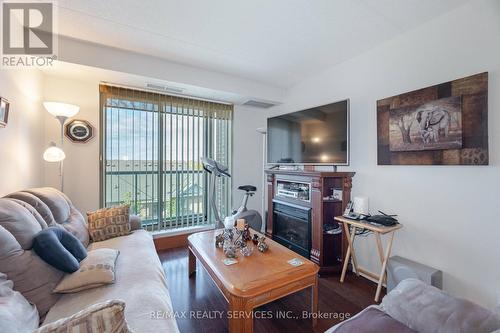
point(247, 188)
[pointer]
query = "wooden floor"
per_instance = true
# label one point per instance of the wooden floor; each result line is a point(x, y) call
point(204, 308)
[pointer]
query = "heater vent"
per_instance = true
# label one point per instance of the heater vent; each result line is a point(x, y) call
point(155, 86)
point(259, 104)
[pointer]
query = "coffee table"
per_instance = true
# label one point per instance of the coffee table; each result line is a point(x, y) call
point(255, 280)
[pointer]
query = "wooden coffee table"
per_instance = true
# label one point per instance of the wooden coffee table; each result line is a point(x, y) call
point(255, 280)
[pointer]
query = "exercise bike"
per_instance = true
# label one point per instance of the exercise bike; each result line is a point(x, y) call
point(251, 216)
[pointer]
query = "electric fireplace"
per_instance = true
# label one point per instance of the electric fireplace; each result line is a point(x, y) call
point(292, 226)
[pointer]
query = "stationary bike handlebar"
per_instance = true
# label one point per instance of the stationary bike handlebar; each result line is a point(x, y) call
point(212, 166)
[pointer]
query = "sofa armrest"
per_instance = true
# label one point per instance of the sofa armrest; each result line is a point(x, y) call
point(425, 308)
point(135, 222)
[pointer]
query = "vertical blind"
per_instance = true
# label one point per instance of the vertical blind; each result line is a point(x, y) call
point(151, 148)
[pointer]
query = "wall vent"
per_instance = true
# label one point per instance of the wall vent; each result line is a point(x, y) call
point(259, 104)
point(155, 86)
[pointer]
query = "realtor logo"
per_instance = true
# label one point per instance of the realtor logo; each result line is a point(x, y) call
point(27, 34)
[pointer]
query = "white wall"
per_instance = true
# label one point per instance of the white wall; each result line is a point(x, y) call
point(449, 212)
point(21, 161)
point(247, 154)
point(81, 166)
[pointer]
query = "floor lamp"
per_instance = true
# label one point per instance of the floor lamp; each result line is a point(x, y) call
point(263, 131)
point(61, 111)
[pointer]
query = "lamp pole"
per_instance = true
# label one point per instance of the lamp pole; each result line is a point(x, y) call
point(263, 131)
point(62, 120)
point(61, 111)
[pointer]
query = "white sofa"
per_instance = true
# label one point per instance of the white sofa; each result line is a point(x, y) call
point(140, 279)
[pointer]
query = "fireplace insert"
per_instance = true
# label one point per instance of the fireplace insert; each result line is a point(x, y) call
point(292, 226)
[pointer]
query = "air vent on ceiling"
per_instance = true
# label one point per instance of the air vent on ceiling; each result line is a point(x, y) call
point(259, 104)
point(155, 86)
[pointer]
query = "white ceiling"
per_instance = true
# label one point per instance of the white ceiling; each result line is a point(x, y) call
point(277, 42)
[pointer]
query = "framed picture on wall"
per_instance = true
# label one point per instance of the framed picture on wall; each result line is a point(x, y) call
point(4, 112)
point(444, 124)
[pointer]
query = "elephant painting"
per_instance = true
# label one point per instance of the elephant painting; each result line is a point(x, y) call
point(432, 122)
point(430, 126)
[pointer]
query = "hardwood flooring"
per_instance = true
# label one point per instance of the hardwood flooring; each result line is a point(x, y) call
point(200, 306)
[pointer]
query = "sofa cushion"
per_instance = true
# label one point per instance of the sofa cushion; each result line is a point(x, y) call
point(372, 320)
point(105, 317)
point(425, 308)
point(96, 270)
point(36, 203)
point(21, 220)
point(109, 222)
point(60, 249)
point(63, 211)
point(140, 283)
point(16, 313)
point(32, 276)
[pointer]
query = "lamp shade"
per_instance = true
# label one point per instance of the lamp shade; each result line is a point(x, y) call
point(54, 154)
point(58, 109)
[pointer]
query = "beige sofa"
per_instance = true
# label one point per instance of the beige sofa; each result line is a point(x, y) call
point(140, 280)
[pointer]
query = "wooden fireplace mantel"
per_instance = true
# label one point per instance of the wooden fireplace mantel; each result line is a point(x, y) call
point(327, 250)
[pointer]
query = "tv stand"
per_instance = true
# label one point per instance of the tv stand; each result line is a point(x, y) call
point(311, 200)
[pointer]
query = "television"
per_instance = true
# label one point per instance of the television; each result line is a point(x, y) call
point(315, 136)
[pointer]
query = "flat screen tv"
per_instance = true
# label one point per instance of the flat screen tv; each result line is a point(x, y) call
point(315, 136)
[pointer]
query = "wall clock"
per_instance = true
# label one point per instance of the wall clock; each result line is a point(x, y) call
point(80, 131)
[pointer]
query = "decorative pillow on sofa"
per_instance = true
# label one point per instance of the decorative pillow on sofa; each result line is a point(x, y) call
point(108, 223)
point(96, 270)
point(60, 249)
point(16, 313)
point(105, 317)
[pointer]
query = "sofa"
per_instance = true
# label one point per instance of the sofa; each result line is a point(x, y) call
point(140, 279)
point(414, 306)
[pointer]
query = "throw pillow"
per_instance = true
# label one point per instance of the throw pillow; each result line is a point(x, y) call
point(59, 248)
point(108, 223)
point(96, 270)
point(105, 317)
point(16, 313)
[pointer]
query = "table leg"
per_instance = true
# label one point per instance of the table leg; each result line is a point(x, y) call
point(384, 266)
point(348, 252)
point(353, 252)
point(192, 263)
point(314, 301)
point(380, 250)
point(379, 247)
point(240, 316)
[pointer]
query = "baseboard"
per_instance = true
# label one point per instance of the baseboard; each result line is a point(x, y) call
point(171, 239)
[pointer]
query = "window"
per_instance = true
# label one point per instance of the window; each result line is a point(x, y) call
point(151, 156)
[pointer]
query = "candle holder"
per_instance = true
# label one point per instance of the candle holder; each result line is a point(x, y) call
point(247, 250)
point(232, 239)
point(229, 249)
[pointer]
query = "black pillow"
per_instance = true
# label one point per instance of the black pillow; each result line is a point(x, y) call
point(60, 249)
